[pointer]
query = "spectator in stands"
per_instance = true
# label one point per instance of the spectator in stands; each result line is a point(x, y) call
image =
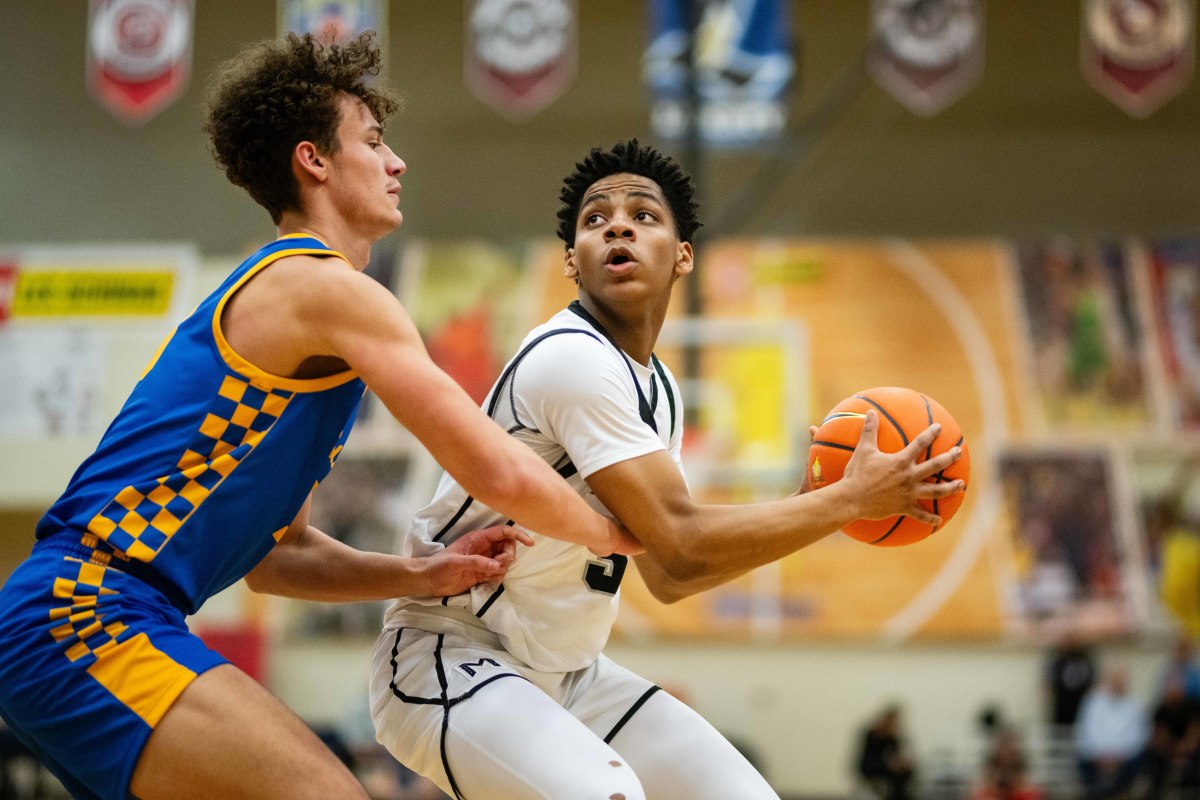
point(1182, 668)
point(1173, 754)
point(1005, 772)
point(1110, 736)
point(1070, 675)
point(883, 762)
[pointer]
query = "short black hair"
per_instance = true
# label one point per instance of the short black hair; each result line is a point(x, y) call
point(630, 157)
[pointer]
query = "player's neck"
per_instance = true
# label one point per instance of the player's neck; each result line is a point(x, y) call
point(636, 334)
point(354, 246)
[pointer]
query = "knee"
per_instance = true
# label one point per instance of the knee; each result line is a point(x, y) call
point(610, 779)
point(622, 784)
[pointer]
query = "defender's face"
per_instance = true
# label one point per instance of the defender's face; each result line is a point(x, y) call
point(625, 241)
point(364, 172)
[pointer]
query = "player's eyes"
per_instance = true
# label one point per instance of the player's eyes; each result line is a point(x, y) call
point(591, 219)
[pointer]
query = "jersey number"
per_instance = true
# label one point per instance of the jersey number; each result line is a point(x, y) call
point(605, 574)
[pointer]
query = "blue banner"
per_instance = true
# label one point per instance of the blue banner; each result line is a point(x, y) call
point(743, 67)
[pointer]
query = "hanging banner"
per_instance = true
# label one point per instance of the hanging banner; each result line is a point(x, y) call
point(743, 66)
point(926, 53)
point(520, 54)
point(1138, 53)
point(139, 55)
point(333, 21)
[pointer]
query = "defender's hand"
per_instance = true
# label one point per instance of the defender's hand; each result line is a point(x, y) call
point(477, 557)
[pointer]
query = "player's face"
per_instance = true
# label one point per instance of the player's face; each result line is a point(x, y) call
point(364, 172)
point(625, 241)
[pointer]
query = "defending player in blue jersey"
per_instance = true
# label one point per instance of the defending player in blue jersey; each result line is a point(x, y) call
point(206, 475)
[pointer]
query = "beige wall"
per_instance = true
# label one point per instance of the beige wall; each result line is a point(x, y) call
point(801, 708)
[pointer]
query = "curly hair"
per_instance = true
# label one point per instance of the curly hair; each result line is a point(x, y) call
point(629, 157)
point(276, 94)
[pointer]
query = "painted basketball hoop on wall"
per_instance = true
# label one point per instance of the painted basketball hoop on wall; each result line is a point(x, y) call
point(139, 55)
point(1138, 53)
point(926, 53)
point(521, 54)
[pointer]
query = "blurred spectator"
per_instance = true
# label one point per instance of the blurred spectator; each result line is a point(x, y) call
point(883, 763)
point(1110, 737)
point(1070, 675)
point(1182, 668)
point(1173, 755)
point(1005, 772)
point(380, 773)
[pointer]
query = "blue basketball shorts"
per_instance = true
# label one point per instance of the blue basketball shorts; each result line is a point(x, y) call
point(90, 660)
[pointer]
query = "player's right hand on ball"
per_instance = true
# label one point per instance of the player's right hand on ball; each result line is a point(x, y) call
point(887, 484)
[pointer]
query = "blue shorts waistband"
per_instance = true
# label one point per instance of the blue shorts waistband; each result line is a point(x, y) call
point(71, 543)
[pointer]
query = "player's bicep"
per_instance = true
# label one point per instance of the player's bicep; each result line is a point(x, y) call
point(370, 330)
point(649, 496)
point(360, 321)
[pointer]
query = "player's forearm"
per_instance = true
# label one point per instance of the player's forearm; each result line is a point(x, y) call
point(537, 498)
point(317, 567)
point(492, 466)
point(711, 544)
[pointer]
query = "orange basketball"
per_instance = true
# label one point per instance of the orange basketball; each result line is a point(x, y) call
point(903, 414)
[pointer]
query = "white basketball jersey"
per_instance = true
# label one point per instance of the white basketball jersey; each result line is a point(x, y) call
point(570, 395)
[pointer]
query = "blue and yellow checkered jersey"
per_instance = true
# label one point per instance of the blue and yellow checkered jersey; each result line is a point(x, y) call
point(210, 458)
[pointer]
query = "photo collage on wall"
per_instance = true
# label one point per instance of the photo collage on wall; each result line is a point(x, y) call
point(1072, 366)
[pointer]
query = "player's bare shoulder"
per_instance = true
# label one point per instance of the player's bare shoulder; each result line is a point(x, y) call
point(276, 318)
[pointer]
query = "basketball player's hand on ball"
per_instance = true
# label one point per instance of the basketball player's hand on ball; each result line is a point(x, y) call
point(477, 557)
point(893, 483)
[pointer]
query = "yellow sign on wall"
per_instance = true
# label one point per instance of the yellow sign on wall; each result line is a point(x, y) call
point(77, 292)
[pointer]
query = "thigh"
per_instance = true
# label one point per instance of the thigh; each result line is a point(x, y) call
point(674, 751)
point(228, 737)
point(90, 660)
point(463, 715)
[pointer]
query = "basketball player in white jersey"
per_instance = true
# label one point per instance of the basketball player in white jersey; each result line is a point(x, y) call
point(503, 693)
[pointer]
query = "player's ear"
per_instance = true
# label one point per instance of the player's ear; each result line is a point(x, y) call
point(570, 271)
point(308, 159)
point(684, 259)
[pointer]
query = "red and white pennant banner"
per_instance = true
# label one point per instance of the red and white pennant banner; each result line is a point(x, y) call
point(926, 53)
point(520, 54)
point(139, 55)
point(1138, 53)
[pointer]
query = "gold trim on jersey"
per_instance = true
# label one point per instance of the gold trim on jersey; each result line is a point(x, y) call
point(240, 364)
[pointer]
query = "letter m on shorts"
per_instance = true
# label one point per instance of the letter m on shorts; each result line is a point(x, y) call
point(473, 667)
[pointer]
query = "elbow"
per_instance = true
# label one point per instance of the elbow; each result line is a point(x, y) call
point(498, 482)
point(668, 592)
point(684, 568)
point(504, 484)
point(680, 563)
